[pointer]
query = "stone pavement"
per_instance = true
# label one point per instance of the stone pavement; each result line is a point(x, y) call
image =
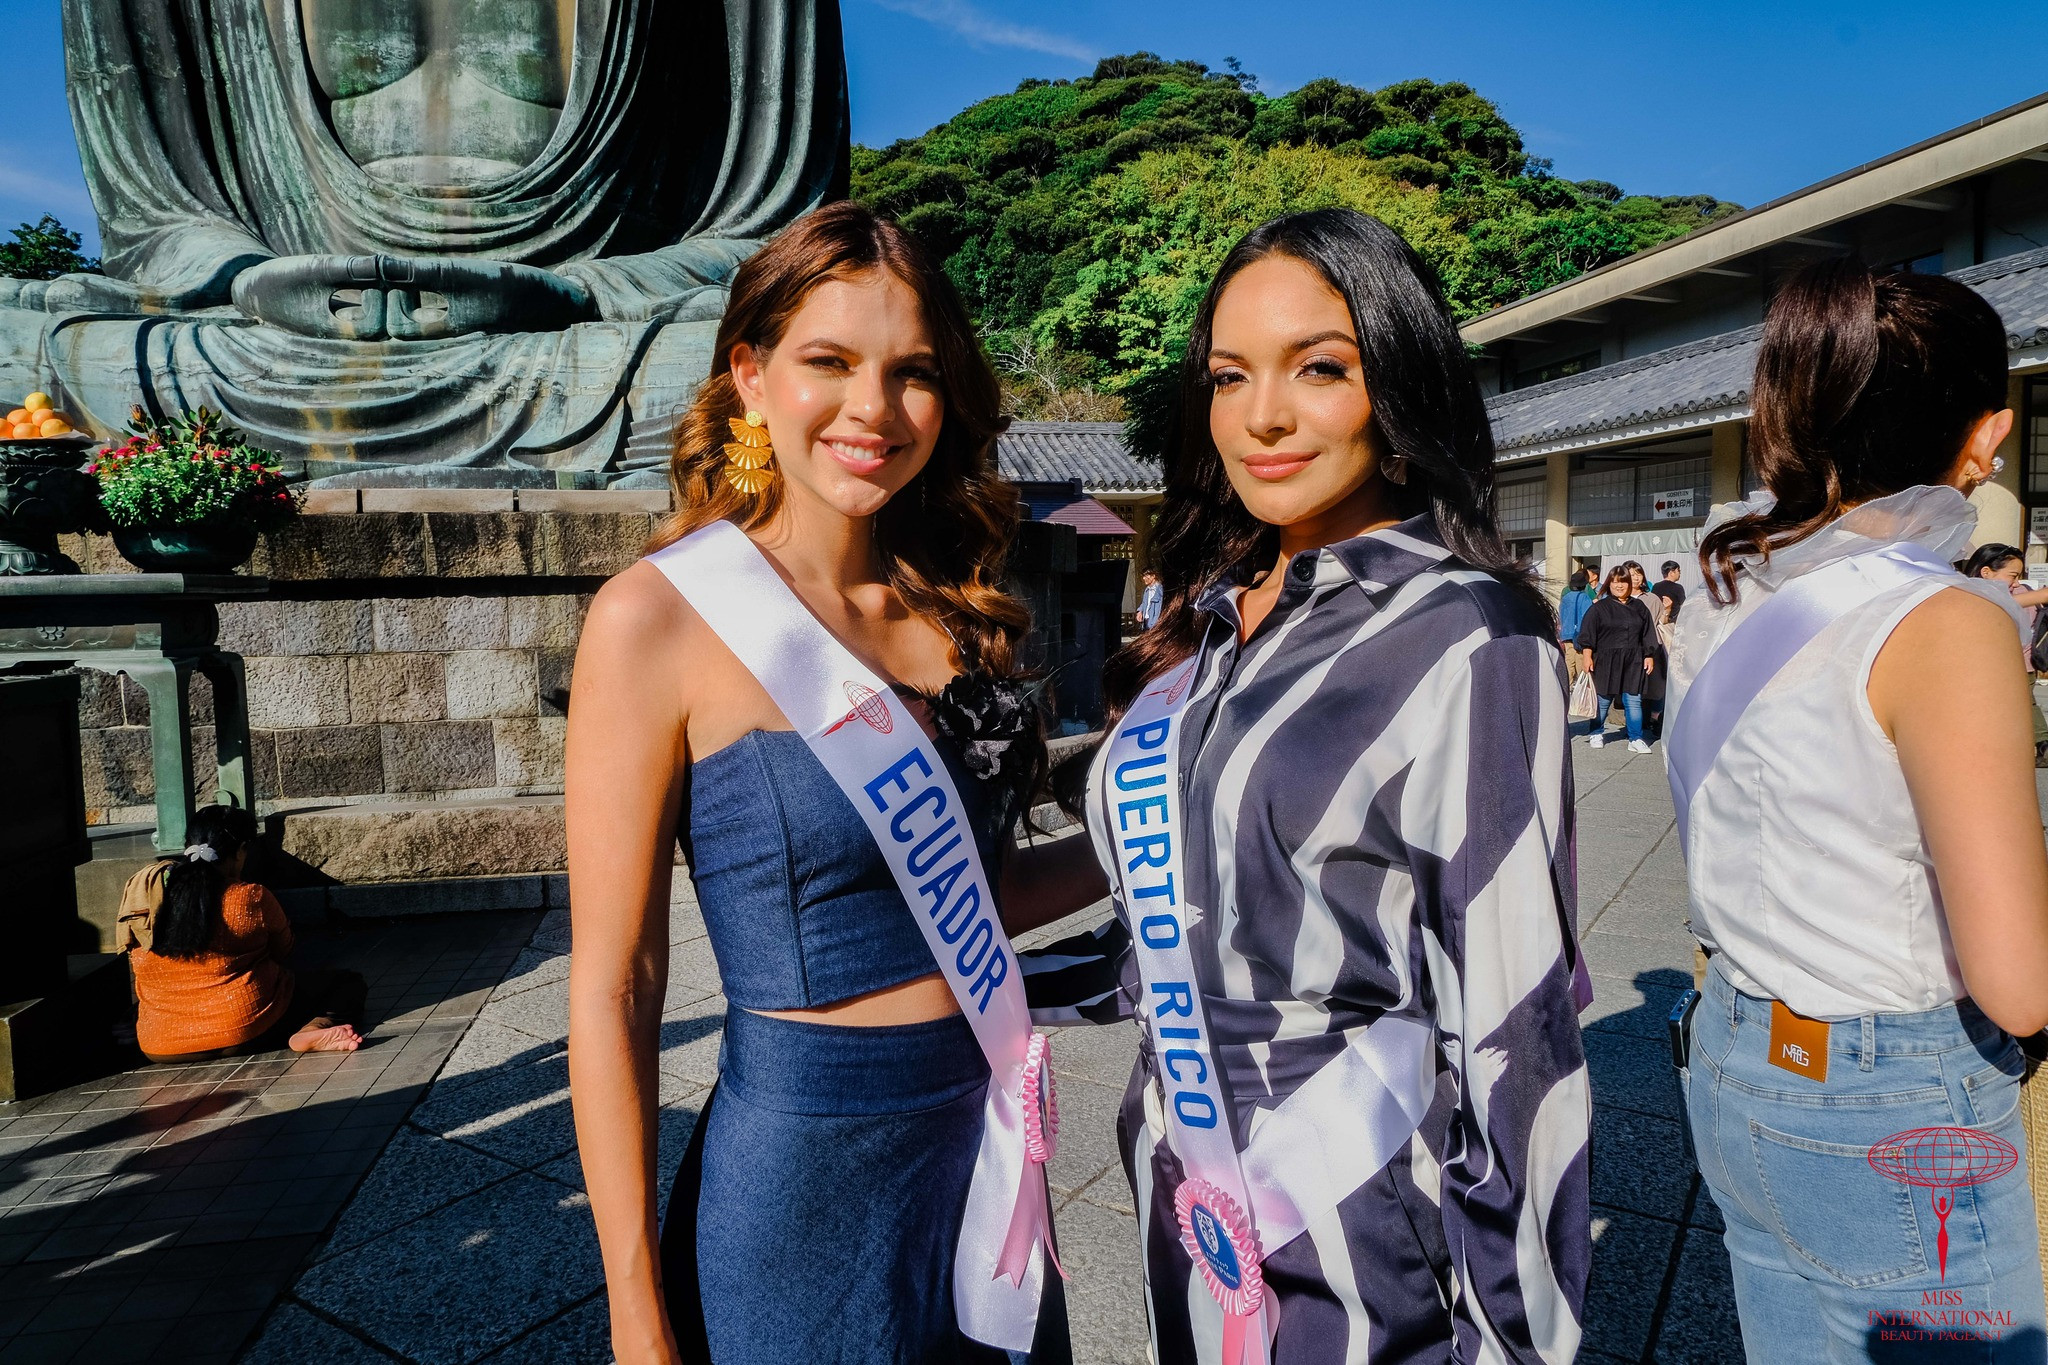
point(470, 1239)
point(158, 1213)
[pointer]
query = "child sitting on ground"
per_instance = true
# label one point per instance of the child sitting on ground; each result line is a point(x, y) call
point(208, 960)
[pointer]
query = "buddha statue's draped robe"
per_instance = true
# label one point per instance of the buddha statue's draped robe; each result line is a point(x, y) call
point(425, 240)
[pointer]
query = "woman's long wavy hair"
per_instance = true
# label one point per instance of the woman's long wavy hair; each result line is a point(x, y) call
point(1866, 385)
point(188, 916)
point(1427, 411)
point(944, 539)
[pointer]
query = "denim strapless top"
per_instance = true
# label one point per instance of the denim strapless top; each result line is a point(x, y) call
point(798, 901)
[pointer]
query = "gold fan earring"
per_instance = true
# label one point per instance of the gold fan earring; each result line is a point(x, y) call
point(747, 454)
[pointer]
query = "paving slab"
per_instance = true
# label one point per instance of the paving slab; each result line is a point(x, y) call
point(162, 1209)
point(476, 1274)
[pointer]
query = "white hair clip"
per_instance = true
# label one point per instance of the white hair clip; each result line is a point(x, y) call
point(202, 853)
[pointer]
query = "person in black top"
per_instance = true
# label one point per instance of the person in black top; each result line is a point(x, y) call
point(1671, 590)
point(1617, 644)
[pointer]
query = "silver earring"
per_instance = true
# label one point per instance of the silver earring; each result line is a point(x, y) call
point(1997, 465)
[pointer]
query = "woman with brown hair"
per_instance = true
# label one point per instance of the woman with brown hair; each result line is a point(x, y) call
point(1862, 840)
point(866, 1181)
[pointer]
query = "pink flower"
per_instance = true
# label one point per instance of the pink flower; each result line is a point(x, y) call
point(93, 468)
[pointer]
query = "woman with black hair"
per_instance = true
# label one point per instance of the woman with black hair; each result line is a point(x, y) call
point(1336, 809)
point(1863, 843)
point(1618, 646)
point(210, 979)
point(2007, 565)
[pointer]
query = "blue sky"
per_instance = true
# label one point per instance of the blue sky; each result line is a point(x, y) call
point(1738, 98)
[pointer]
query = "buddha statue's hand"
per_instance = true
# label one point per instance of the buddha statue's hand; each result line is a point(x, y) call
point(102, 294)
point(406, 298)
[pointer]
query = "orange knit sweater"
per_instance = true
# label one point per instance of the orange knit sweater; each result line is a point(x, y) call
point(227, 995)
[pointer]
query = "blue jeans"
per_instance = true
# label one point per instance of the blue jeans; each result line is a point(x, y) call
point(1631, 707)
point(1831, 1259)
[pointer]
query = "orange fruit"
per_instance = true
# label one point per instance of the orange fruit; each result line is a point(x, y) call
point(38, 416)
point(36, 400)
point(56, 426)
point(18, 416)
point(22, 431)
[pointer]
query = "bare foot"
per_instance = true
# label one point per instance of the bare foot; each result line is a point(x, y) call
point(332, 1038)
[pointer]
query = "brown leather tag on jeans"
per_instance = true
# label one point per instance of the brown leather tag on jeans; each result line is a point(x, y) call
point(1798, 1044)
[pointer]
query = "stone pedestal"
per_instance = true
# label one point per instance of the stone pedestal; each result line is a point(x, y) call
point(48, 1026)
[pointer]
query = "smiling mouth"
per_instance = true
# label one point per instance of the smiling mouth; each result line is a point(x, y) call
point(1279, 464)
point(859, 457)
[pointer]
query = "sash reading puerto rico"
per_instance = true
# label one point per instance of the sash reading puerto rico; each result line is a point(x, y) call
point(888, 768)
point(1335, 1132)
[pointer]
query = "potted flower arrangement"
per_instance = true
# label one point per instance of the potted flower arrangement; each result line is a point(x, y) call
point(189, 494)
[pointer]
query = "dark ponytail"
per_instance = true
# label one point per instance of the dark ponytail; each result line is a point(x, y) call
point(189, 914)
point(1427, 411)
point(1866, 385)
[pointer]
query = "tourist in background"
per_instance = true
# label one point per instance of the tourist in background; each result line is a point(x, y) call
point(1639, 583)
point(1654, 681)
point(1670, 589)
point(2007, 565)
point(1351, 688)
point(1571, 613)
point(840, 463)
point(1618, 646)
point(1150, 603)
point(1862, 835)
point(208, 960)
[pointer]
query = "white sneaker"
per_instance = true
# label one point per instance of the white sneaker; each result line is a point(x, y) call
point(1595, 741)
point(1636, 746)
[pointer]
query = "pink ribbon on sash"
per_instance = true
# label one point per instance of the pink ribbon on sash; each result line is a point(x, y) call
point(1031, 1219)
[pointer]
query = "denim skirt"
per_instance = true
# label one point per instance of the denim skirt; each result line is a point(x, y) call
point(1835, 1260)
point(815, 1214)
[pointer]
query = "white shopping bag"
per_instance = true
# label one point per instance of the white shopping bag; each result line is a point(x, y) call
point(1584, 699)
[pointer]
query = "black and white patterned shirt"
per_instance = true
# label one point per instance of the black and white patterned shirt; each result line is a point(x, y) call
point(1382, 774)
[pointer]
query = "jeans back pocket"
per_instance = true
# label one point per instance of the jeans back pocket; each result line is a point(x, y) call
point(1835, 1211)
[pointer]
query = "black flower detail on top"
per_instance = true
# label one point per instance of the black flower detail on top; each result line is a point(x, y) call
point(985, 716)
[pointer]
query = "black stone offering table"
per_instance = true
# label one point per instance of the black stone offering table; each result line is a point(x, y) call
point(159, 629)
point(43, 494)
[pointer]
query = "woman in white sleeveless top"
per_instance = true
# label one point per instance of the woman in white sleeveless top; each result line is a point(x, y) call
point(1863, 845)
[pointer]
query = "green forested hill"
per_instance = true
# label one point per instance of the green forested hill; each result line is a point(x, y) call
point(1083, 218)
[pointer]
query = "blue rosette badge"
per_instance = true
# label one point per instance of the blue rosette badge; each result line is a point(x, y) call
point(1220, 1240)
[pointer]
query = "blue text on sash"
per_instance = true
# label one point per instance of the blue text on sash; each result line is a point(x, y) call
point(1145, 833)
point(957, 902)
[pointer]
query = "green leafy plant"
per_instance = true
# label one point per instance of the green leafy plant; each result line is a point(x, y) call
point(195, 469)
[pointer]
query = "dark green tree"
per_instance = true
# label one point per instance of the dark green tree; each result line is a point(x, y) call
point(43, 250)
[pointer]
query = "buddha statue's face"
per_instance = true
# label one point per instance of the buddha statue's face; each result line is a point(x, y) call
point(441, 94)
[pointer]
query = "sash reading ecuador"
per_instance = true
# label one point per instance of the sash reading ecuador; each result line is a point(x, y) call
point(1334, 1133)
point(888, 769)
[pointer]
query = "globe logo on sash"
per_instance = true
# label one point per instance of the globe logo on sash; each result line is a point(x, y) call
point(1215, 1247)
point(868, 707)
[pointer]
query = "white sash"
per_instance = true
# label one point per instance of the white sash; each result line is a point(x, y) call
point(887, 767)
point(1326, 1139)
point(1757, 649)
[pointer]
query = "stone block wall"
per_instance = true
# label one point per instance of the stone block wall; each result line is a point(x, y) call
point(403, 656)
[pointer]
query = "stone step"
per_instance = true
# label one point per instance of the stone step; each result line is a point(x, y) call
point(410, 841)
